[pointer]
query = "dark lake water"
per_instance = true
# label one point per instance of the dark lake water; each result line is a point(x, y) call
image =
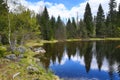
point(98, 60)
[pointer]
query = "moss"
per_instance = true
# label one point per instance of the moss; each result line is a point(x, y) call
point(8, 69)
point(2, 51)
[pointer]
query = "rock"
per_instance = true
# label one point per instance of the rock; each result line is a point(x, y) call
point(14, 57)
point(20, 56)
point(57, 78)
point(37, 60)
point(39, 50)
point(3, 60)
point(32, 69)
point(11, 57)
point(21, 49)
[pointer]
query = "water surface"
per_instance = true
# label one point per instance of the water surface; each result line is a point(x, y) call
point(84, 60)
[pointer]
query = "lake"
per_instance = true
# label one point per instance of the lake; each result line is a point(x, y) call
point(83, 60)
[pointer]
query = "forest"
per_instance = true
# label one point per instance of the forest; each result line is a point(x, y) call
point(21, 24)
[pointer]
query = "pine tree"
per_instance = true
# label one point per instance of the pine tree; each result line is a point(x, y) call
point(71, 28)
point(43, 20)
point(118, 21)
point(3, 14)
point(81, 32)
point(74, 28)
point(118, 16)
point(100, 22)
point(119, 9)
point(3, 21)
point(52, 27)
point(88, 21)
point(60, 29)
point(111, 19)
point(68, 28)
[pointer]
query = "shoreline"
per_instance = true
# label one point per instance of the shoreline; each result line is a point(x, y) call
point(41, 42)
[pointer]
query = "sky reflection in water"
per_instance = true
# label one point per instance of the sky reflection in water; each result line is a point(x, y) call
point(77, 68)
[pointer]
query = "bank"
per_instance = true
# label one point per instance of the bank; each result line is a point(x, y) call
point(26, 68)
point(41, 42)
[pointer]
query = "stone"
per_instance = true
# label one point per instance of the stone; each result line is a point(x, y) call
point(21, 49)
point(11, 57)
point(37, 60)
point(32, 69)
point(20, 56)
point(39, 50)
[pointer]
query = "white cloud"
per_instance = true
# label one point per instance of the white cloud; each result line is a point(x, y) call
point(60, 9)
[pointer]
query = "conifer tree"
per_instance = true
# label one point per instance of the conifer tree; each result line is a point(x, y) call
point(88, 21)
point(68, 28)
point(100, 22)
point(111, 19)
point(3, 21)
point(60, 29)
point(118, 16)
point(74, 28)
point(118, 22)
point(81, 32)
point(43, 20)
point(52, 27)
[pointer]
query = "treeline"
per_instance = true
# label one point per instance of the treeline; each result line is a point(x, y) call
point(21, 24)
point(18, 26)
point(97, 26)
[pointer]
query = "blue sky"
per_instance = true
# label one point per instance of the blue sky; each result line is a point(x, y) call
point(68, 3)
point(65, 8)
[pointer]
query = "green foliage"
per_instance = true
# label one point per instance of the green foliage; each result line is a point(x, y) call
point(60, 29)
point(82, 32)
point(100, 22)
point(9, 69)
point(3, 20)
point(43, 20)
point(23, 26)
point(88, 21)
point(26, 25)
point(52, 28)
point(68, 28)
point(118, 21)
point(2, 51)
point(111, 19)
point(71, 28)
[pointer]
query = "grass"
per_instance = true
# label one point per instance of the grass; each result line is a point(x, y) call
point(41, 42)
point(8, 69)
point(93, 39)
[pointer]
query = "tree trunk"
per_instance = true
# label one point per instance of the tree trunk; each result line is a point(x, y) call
point(11, 43)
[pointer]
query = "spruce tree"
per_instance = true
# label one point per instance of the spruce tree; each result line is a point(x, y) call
point(60, 29)
point(3, 21)
point(111, 19)
point(118, 16)
point(43, 20)
point(68, 28)
point(74, 28)
point(88, 21)
point(71, 28)
point(3, 14)
point(100, 22)
point(52, 27)
point(81, 32)
point(118, 22)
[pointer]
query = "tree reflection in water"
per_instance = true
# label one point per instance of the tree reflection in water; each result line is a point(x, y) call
point(102, 57)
